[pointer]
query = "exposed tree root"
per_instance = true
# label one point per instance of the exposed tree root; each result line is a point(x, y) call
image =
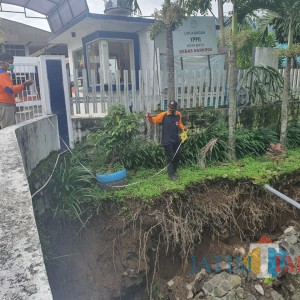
point(223, 209)
point(177, 221)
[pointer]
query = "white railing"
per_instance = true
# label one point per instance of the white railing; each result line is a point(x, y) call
point(145, 91)
point(29, 102)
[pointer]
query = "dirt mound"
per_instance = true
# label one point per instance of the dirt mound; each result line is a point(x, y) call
point(134, 251)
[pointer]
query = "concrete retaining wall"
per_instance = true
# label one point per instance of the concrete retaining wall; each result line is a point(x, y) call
point(36, 140)
point(22, 273)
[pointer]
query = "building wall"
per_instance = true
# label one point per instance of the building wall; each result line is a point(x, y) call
point(266, 56)
point(147, 53)
point(37, 138)
point(21, 39)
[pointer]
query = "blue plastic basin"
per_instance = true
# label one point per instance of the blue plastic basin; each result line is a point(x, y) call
point(112, 177)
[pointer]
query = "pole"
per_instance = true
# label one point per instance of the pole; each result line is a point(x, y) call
point(209, 67)
point(282, 196)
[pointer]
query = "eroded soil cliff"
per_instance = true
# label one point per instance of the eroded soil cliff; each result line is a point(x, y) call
point(133, 251)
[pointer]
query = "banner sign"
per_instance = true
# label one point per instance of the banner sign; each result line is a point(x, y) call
point(196, 37)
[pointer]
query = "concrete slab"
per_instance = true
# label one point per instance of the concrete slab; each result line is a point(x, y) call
point(22, 270)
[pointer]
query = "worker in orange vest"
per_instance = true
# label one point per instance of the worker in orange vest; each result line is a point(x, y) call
point(8, 91)
point(171, 121)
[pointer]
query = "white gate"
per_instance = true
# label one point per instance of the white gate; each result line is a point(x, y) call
point(29, 101)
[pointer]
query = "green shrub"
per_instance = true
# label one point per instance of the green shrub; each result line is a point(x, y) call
point(211, 145)
point(118, 132)
point(254, 142)
point(143, 154)
point(73, 187)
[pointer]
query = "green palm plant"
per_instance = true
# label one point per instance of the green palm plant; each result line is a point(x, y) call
point(262, 82)
point(241, 9)
point(284, 16)
point(293, 134)
point(211, 145)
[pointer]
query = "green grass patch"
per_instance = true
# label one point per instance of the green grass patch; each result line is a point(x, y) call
point(259, 170)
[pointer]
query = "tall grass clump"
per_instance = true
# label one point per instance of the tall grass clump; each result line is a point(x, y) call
point(254, 142)
point(73, 187)
point(211, 145)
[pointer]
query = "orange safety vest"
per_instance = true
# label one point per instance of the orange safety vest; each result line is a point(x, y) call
point(8, 91)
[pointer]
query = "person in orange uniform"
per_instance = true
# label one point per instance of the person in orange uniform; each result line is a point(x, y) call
point(8, 91)
point(171, 121)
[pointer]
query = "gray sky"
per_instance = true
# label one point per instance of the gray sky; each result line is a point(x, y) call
point(95, 6)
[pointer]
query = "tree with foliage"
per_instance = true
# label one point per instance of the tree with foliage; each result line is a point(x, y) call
point(284, 17)
point(241, 9)
point(248, 39)
point(233, 76)
point(168, 19)
point(221, 22)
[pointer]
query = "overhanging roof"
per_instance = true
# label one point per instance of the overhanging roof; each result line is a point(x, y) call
point(45, 7)
point(88, 22)
point(22, 34)
point(58, 12)
point(62, 15)
point(35, 39)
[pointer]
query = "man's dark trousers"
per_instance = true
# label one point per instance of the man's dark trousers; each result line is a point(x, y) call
point(173, 162)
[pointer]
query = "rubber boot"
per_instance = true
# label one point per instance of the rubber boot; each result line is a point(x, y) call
point(171, 172)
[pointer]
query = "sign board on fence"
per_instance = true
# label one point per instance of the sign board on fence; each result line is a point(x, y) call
point(197, 36)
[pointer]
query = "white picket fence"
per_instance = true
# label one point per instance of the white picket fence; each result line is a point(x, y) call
point(143, 91)
point(139, 91)
point(295, 79)
point(147, 92)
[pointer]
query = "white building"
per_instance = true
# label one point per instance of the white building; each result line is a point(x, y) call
point(105, 41)
point(23, 40)
point(113, 60)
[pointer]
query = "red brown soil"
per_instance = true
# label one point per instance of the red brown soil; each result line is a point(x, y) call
point(104, 261)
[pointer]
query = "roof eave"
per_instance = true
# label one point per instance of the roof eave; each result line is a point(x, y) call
point(85, 15)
